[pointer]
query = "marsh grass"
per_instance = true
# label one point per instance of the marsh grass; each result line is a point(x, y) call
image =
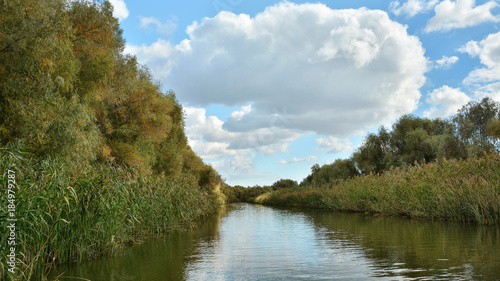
point(62, 217)
point(467, 191)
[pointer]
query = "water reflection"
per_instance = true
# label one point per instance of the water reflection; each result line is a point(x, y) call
point(405, 248)
point(252, 242)
point(155, 259)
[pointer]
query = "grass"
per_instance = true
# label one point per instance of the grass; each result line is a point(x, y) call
point(63, 218)
point(467, 191)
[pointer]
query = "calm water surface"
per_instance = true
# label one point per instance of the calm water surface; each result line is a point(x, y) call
point(253, 242)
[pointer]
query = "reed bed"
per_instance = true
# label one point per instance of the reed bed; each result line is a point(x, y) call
point(63, 218)
point(466, 191)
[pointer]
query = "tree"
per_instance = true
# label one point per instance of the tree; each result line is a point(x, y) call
point(284, 183)
point(338, 170)
point(375, 153)
point(39, 70)
point(67, 89)
point(418, 140)
point(209, 179)
point(308, 180)
point(97, 42)
point(473, 125)
point(494, 131)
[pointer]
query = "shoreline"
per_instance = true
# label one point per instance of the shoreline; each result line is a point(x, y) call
point(451, 190)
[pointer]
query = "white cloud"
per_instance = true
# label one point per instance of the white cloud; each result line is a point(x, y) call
point(488, 51)
point(297, 160)
point(237, 115)
point(233, 152)
point(302, 67)
point(460, 14)
point(445, 101)
point(412, 7)
point(446, 62)
point(334, 144)
point(157, 56)
point(292, 70)
point(490, 90)
point(162, 28)
point(472, 48)
point(120, 10)
point(211, 129)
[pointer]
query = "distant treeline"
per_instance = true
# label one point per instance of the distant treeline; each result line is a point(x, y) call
point(474, 131)
point(98, 150)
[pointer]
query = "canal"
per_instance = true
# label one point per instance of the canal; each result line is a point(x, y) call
point(254, 242)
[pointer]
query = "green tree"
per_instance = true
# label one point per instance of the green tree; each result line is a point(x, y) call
point(39, 70)
point(308, 180)
point(338, 170)
point(284, 183)
point(494, 131)
point(472, 125)
point(375, 153)
point(417, 140)
point(97, 42)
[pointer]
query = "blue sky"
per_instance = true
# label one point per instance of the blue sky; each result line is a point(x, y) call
point(270, 88)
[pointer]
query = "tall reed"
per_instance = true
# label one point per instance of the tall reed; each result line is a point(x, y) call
point(454, 190)
point(66, 218)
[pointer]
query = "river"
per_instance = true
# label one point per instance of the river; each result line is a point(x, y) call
point(254, 242)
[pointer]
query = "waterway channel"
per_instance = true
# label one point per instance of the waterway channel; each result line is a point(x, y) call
point(254, 242)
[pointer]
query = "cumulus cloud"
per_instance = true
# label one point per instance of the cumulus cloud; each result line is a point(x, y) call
point(237, 115)
point(446, 62)
point(297, 160)
point(445, 101)
point(304, 67)
point(120, 10)
point(162, 28)
point(211, 129)
point(293, 70)
point(460, 14)
point(233, 153)
point(333, 144)
point(487, 78)
point(488, 51)
point(472, 48)
point(490, 90)
point(211, 141)
point(412, 7)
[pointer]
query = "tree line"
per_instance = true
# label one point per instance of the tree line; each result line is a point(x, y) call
point(472, 131)
point(69, 93)
point(99, 150)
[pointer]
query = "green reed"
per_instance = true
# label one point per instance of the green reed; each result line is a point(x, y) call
point(453, 190)
point(63, 217)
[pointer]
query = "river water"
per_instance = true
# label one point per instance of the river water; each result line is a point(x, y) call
point(254, 242)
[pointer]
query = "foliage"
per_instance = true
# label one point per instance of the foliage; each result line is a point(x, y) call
point(86, 101)
point(284, 183)
point(476, 123)
point(109, 155)
point(308, 180)
point(457, 190)
point(338, 170)
point(375, 152)
point(64, 217)
point(472, 131)
point(444, 169)
point(244, 194)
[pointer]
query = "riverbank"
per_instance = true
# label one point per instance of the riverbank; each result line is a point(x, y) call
point(467, 191)
point(254, 242)
point(61, 217)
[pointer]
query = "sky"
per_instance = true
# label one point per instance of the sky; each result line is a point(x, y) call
point(270, 88)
